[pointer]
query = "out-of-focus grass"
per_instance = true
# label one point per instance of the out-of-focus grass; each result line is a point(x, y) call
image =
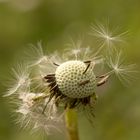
point(23, 22)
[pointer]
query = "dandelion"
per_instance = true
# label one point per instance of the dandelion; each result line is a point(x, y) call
point(54, 87)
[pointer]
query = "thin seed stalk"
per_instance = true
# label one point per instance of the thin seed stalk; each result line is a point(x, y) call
point(71, 124)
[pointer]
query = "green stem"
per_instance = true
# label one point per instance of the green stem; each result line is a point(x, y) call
point(71, 123)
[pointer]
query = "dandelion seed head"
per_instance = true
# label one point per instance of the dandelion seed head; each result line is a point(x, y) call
point(69, 75)
point(48, 84)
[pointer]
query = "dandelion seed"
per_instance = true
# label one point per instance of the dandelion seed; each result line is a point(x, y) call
point(76, 51)
point(106, 37)
point(20, 79)
point(35, 55)
point(124, 72)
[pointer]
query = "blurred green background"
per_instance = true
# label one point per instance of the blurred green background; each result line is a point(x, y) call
point(29, 21)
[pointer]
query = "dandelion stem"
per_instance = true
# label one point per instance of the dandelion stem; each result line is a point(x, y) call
point(71, 123)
